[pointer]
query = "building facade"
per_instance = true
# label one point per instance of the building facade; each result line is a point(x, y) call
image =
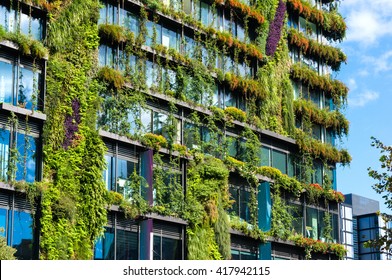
point(361, 224)
point(176, 129)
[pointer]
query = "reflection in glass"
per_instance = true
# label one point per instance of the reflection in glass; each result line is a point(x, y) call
point(26, 164)
point(4, 152)
point(104, 248)
point(6, 82)
point(26, 96)
point(22, 235)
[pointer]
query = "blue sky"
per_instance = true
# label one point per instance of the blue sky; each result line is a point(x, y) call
point(368, 74)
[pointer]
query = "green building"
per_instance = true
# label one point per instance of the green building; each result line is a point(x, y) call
point(174, 129)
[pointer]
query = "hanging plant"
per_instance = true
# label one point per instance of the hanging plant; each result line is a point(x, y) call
point(314, 50)
point(329, 119)
point(332, 23)
point(332, 88)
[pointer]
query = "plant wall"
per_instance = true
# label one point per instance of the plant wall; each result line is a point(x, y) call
point(73, 193)
point(74, 198)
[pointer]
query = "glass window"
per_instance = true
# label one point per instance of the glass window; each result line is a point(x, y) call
point(4, 151)
point(107, 56)
point(24, 21)
point(187, 6)
point(189, 46)
point(104, 248)
point(330, 137)
point(160, 124)
point(130, 21)
point(167, 248)
point(244, 207)
point(235, 254)
point(36, 31)
point(348, 225)
point(279, 161)
point(316, 131)
point(26, 164)
point(227, 22)
point(318, 173)
point(240, 207)
point(3, 222)
point(151, 78)
point(219, 19)
point(229, 99)
point(102, 15)
point(150, 33)
point(6, 82)
point(302, 25)
point(348, 213)
point(240, 32)
point(22, 234)
point(191, 135)
point(265, 156)
point(232, 146)
point(108, 173)
point(248, 256)
point(126, 245)
point(204, 13)
point(312, 225)
point(125, 169)
point(169, 38)
point(315, 97)
point(26, 96)
point(297, 213)
point(7, 18)
point(145, 120)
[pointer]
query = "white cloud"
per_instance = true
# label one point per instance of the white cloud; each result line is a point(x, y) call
point(367, 21)
point(380, 63)
point(352, 84)
point(363, 73)
point(363, 98)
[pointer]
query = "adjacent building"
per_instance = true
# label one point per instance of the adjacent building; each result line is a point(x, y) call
point(195, 127)
point(361, 222)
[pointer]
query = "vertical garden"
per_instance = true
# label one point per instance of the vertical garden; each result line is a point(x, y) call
point(226, 80)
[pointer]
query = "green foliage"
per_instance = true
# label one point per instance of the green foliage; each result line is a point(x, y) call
point(222, 233)
point(248, 229)
point(317, 149)
point(6, 252)
point(236, 114)
point(317, 246)
point(383, 186)
point(331, 22)
point(328, 119)
point(154, 141)
point(112, 77)
point(112, 34)
point(281, 219)
point(207, 199)
point(312, 49)
point(334, 88)
point(26, 45)
point(74, 196)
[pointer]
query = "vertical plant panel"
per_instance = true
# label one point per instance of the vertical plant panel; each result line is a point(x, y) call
point(275, 29)
point(74, 195)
